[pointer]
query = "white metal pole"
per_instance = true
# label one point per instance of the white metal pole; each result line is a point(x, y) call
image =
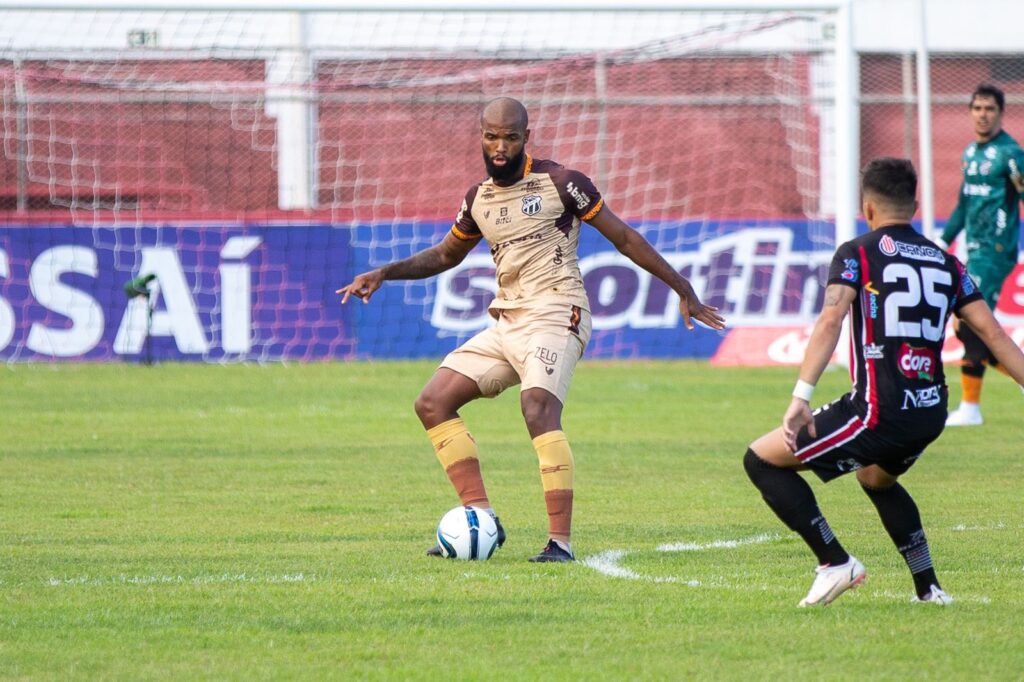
point(287, 101)
point(847, 79)
point(924, 125)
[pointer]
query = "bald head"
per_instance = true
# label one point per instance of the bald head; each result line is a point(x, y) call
point(503, 136)
point(505, 112)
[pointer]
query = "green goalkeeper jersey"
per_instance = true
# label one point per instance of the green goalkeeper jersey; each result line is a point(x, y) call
point(988, 207)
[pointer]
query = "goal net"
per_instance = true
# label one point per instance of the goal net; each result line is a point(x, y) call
point(254, 161)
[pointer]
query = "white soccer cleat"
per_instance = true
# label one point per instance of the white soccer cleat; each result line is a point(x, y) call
point(832, 581)
point(935, 596)
point(968, 414)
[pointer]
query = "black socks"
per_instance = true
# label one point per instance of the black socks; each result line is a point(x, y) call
point(903, 523)
point(792, 500)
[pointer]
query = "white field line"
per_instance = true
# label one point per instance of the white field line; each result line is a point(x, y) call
point(909, 598)
point(608, 562)
point(717, 544)
point(181, 580)
point(960, 527)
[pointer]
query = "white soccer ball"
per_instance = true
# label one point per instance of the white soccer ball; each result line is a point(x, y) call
point(467, 533)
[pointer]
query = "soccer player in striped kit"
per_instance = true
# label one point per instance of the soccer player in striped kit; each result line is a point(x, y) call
point(899, 289)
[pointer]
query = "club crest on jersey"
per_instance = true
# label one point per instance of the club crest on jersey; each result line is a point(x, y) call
point(991, 152)
point(916, 363)
point(887, 245)
point(531, 204)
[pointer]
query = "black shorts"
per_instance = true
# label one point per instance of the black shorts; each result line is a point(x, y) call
point(845, 443)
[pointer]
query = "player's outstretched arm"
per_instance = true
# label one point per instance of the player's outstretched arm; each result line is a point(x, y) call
point(820, 348)
point(955, 224)
point(438, 258)
point(984, 323)
point(632, 244)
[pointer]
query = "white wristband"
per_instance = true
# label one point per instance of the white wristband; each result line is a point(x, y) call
point(803, 390)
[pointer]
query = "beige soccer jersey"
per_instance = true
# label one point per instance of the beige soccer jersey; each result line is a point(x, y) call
point(533, 229)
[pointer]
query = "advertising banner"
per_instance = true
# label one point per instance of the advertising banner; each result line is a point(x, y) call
point(234, 292)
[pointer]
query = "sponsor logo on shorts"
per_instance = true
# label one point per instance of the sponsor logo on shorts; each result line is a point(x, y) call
point(916, 363)
point(873, 351)
point(847, 465)
point(546, 355)
point(922, 397)
point(531, 204)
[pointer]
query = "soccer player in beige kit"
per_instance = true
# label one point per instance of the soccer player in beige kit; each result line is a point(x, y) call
point(530, 211)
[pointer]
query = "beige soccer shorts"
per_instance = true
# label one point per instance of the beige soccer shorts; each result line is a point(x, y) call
point(537, 347)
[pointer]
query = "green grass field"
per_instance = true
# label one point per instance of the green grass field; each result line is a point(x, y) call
point(238, 522)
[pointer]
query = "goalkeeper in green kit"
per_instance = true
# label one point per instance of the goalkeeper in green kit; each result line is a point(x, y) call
point(988, 214)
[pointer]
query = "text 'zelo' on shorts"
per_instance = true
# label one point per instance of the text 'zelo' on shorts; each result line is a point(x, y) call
point(844, 443)
point(537, 347)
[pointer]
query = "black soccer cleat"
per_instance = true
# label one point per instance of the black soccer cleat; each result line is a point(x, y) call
point(553, 553)
point(436, 549)
point(501, 531)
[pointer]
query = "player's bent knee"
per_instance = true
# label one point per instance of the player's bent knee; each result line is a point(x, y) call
point(752, 463)
point(541, 410)
point(429, 409)
point(874, 478)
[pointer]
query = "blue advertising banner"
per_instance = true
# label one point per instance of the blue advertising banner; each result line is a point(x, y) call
point(220, 293)
point(758, 273)
point(266, 292)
